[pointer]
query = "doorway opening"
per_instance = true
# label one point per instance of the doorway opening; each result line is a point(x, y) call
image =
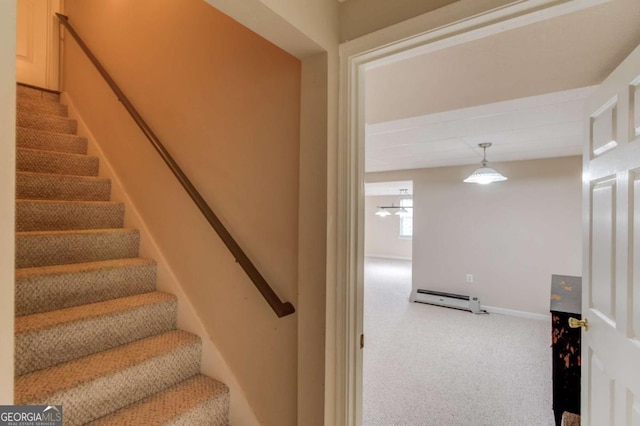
point(359, 64)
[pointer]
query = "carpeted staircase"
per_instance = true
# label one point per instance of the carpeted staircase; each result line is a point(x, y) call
point(91, 331)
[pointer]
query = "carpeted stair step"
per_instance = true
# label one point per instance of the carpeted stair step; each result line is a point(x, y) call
point(91, 387)
point(44, 186)
point(50, 338)
point(50, 141)
point(29, 92)
point(199, 400)
point(48, 288)
point(41, 106)
point(50, 123)
point(44, 248)
point(38, 161)
point(47, 215)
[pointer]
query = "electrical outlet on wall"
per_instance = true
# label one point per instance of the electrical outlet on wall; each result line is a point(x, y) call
point(469, 278)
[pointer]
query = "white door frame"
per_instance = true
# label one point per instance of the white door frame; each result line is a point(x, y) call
point(458, 23)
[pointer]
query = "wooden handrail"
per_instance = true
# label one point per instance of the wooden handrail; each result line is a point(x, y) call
point(279, 307)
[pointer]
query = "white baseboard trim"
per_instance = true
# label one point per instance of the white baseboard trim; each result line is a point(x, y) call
point(385, 256)
point(515, 313)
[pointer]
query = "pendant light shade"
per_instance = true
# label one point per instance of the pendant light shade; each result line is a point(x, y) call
point(485, 175)
point(382, 212)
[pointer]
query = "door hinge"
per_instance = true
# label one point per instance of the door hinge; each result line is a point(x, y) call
point(361, 341)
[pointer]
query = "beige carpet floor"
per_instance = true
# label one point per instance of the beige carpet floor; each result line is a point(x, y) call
point(431, 366)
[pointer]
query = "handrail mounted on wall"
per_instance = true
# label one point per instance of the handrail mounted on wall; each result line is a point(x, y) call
point(280, 308)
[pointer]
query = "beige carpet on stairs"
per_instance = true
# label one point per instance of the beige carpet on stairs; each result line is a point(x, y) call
point(92, 332)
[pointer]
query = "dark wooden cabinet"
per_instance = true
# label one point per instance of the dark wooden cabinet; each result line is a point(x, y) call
point(566, 302)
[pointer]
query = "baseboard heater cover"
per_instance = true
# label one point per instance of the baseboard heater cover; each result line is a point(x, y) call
point(448, 300)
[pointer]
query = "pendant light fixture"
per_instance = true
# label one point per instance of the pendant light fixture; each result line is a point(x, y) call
point(401, 210)
point(382, 212)
point(484, 174)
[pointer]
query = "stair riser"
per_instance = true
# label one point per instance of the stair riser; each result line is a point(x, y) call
point(198, 400)
point(49, 123)
point(98, 398)
point(30, 93)
point(28, 160)
point(40, 106)
point(61, 249)
point(45, 216)
point(43, 293)
point(38, 139)
point(44, 348)
point(58, 187)
point(211, 413)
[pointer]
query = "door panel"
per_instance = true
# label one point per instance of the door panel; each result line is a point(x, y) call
point(24, 40)
point(635, 105)
point(602, 393)
point(634, 417)
point(635, 266)
point(603, 236)
point(37, 43)
point(604, 128)
point(611, 276)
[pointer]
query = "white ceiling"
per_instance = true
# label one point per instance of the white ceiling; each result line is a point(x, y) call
point(388, 188)
point(521, 90)
point(542, 126)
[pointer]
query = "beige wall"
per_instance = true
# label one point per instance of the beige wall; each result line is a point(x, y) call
point(360, 17)
point(301, 28)
point(309, 30)
point(382, 234)
point(227, 105)
point(7, 194)
point(511, 236)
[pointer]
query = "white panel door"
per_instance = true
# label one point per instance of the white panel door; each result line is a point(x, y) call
point(611, 282)
point(37, 43)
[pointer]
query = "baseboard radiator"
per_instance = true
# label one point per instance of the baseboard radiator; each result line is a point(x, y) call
point(448, 300)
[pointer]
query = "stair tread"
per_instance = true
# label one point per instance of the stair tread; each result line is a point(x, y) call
point(44, 114)
point(80, 267)
point(51, 141)
point(68, 135)
point(40, 384)
point(37, 105)
point(169, 404)
point(25, 89)
point(43, 121)
point(23, 97)
point(55, 162)
point(78, 232)
point(60, 176)
point(57, 247)
point(52, 214)
point(69, 202)
point(45, 320)
point(55, 153)
point(47, 288)
point(52, 186)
